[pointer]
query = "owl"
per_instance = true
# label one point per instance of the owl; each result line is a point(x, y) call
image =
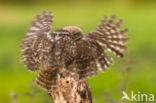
point(68, 52)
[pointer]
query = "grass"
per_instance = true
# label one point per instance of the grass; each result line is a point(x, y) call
point(135, 72)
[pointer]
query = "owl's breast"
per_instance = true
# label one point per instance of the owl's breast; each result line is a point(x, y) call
point(85, 52)
point(63, 48)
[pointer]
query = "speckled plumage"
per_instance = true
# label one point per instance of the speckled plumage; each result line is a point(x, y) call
point(67, 52)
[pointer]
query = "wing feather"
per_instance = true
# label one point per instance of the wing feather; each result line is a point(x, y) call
point(37, 42)
point(109, 37)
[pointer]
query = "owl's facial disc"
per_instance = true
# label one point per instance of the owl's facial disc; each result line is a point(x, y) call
point(76, 32)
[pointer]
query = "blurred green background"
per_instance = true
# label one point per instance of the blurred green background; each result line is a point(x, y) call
point(136, 72)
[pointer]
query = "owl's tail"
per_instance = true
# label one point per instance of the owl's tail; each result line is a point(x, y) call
point(47, 79)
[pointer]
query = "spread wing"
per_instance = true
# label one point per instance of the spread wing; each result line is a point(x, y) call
point(109, 37)
point(37, 46)
point(37, 42)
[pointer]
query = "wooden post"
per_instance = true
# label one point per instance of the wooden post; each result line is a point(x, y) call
point(72, 91)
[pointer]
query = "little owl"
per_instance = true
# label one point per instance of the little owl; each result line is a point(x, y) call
point(68, 52)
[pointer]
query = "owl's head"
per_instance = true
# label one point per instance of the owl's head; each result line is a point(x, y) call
point(76, 32)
